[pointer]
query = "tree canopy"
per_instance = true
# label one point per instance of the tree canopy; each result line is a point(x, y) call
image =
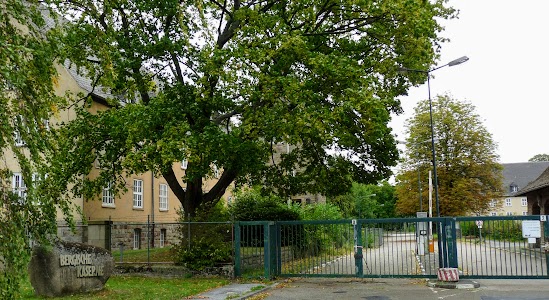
point(371, 201)
point(469, 176)
point(223, 83)
point(28, 50)
point(540, 157)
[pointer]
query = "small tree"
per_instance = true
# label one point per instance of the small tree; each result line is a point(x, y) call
point(28, 79)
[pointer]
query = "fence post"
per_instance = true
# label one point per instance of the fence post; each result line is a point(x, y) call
point(268, 243)
point(237, 260)
point(273, 255)
point(188, 231)
point(357, 226)
point(109, 235)
point(148, 240)
point(278, 248)
point(452, 245)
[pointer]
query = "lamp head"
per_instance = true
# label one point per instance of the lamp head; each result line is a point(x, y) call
point(458, 61)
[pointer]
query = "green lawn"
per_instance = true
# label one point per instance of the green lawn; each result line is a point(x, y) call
point(156, 255)
point(133, 287)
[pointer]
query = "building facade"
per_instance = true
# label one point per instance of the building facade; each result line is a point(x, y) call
point(515, 177)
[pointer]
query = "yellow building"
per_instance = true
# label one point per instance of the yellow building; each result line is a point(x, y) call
point(515, 177)
point(148, 206)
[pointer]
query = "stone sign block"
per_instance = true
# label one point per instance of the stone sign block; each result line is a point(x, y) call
point(69, 268)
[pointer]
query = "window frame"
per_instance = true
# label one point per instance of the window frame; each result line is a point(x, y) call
point(19, 186)
point(508, 202)
point(524, 202)
point(163, 235)
point(136, 238)
point(108, 195)
point(163, 205)
point(137, 193)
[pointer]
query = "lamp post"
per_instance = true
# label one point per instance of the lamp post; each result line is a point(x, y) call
point(452, 63)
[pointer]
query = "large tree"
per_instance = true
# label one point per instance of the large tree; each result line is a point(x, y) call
point(224, 82)
point(27, 101)
point(469, 176)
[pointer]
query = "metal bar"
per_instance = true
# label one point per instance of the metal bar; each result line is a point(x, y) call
point(237, 244)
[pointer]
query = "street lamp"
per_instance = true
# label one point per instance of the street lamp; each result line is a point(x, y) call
point(454, 62)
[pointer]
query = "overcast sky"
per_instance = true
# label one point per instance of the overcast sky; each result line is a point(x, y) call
point(506, 79)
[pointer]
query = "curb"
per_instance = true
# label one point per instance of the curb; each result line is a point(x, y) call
point(462, 284)
point(251, 294)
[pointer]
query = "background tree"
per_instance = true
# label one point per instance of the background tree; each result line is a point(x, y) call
point(540, 157)
point(367, 201)
point(223, 83)
point(469, 176)
point(27, 100)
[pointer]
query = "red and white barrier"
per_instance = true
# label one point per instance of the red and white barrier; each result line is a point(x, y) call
point(448, 274)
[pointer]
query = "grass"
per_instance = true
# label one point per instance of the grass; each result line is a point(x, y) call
point(133, 287)
point(140, 255)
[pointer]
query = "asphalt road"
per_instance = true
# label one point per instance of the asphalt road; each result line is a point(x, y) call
point(409, 289)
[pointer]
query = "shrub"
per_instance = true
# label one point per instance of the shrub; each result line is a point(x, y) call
point(205, 252)
point(508, 230)
point(320, 238)
point(205, 244)
point(250, 205)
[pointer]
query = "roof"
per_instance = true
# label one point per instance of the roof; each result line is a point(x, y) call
point(86, 83)
point(521, 174)
point(542, 181)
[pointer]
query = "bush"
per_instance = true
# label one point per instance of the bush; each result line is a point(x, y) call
point(252, 206)
point(205, 252)
point(209, 244)
point(317, 239)
point(508, 230)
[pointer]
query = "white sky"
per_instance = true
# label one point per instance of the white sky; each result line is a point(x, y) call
point(507, 43)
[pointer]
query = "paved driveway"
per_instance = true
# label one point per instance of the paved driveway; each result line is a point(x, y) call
point(409, 289)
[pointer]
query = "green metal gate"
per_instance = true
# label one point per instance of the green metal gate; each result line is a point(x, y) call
point(480, 247)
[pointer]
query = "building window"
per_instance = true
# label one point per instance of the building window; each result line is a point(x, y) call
point(108, 198)
point(508, 202)
point(524, 202)
point(163, 197)
point(18, 186)
point(136, 238)
point(229, 200)
point(514, 188)
point(137, 193)
point(524, 213)
point(493, 203)
point(184, 163)
point(19, 142)
point(493, 213)
point(215, 171)
point(162, 237)
point(509, 213)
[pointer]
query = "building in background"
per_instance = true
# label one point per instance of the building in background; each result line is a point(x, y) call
point(516, 176)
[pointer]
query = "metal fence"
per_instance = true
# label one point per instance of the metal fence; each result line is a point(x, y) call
point(480, 247)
